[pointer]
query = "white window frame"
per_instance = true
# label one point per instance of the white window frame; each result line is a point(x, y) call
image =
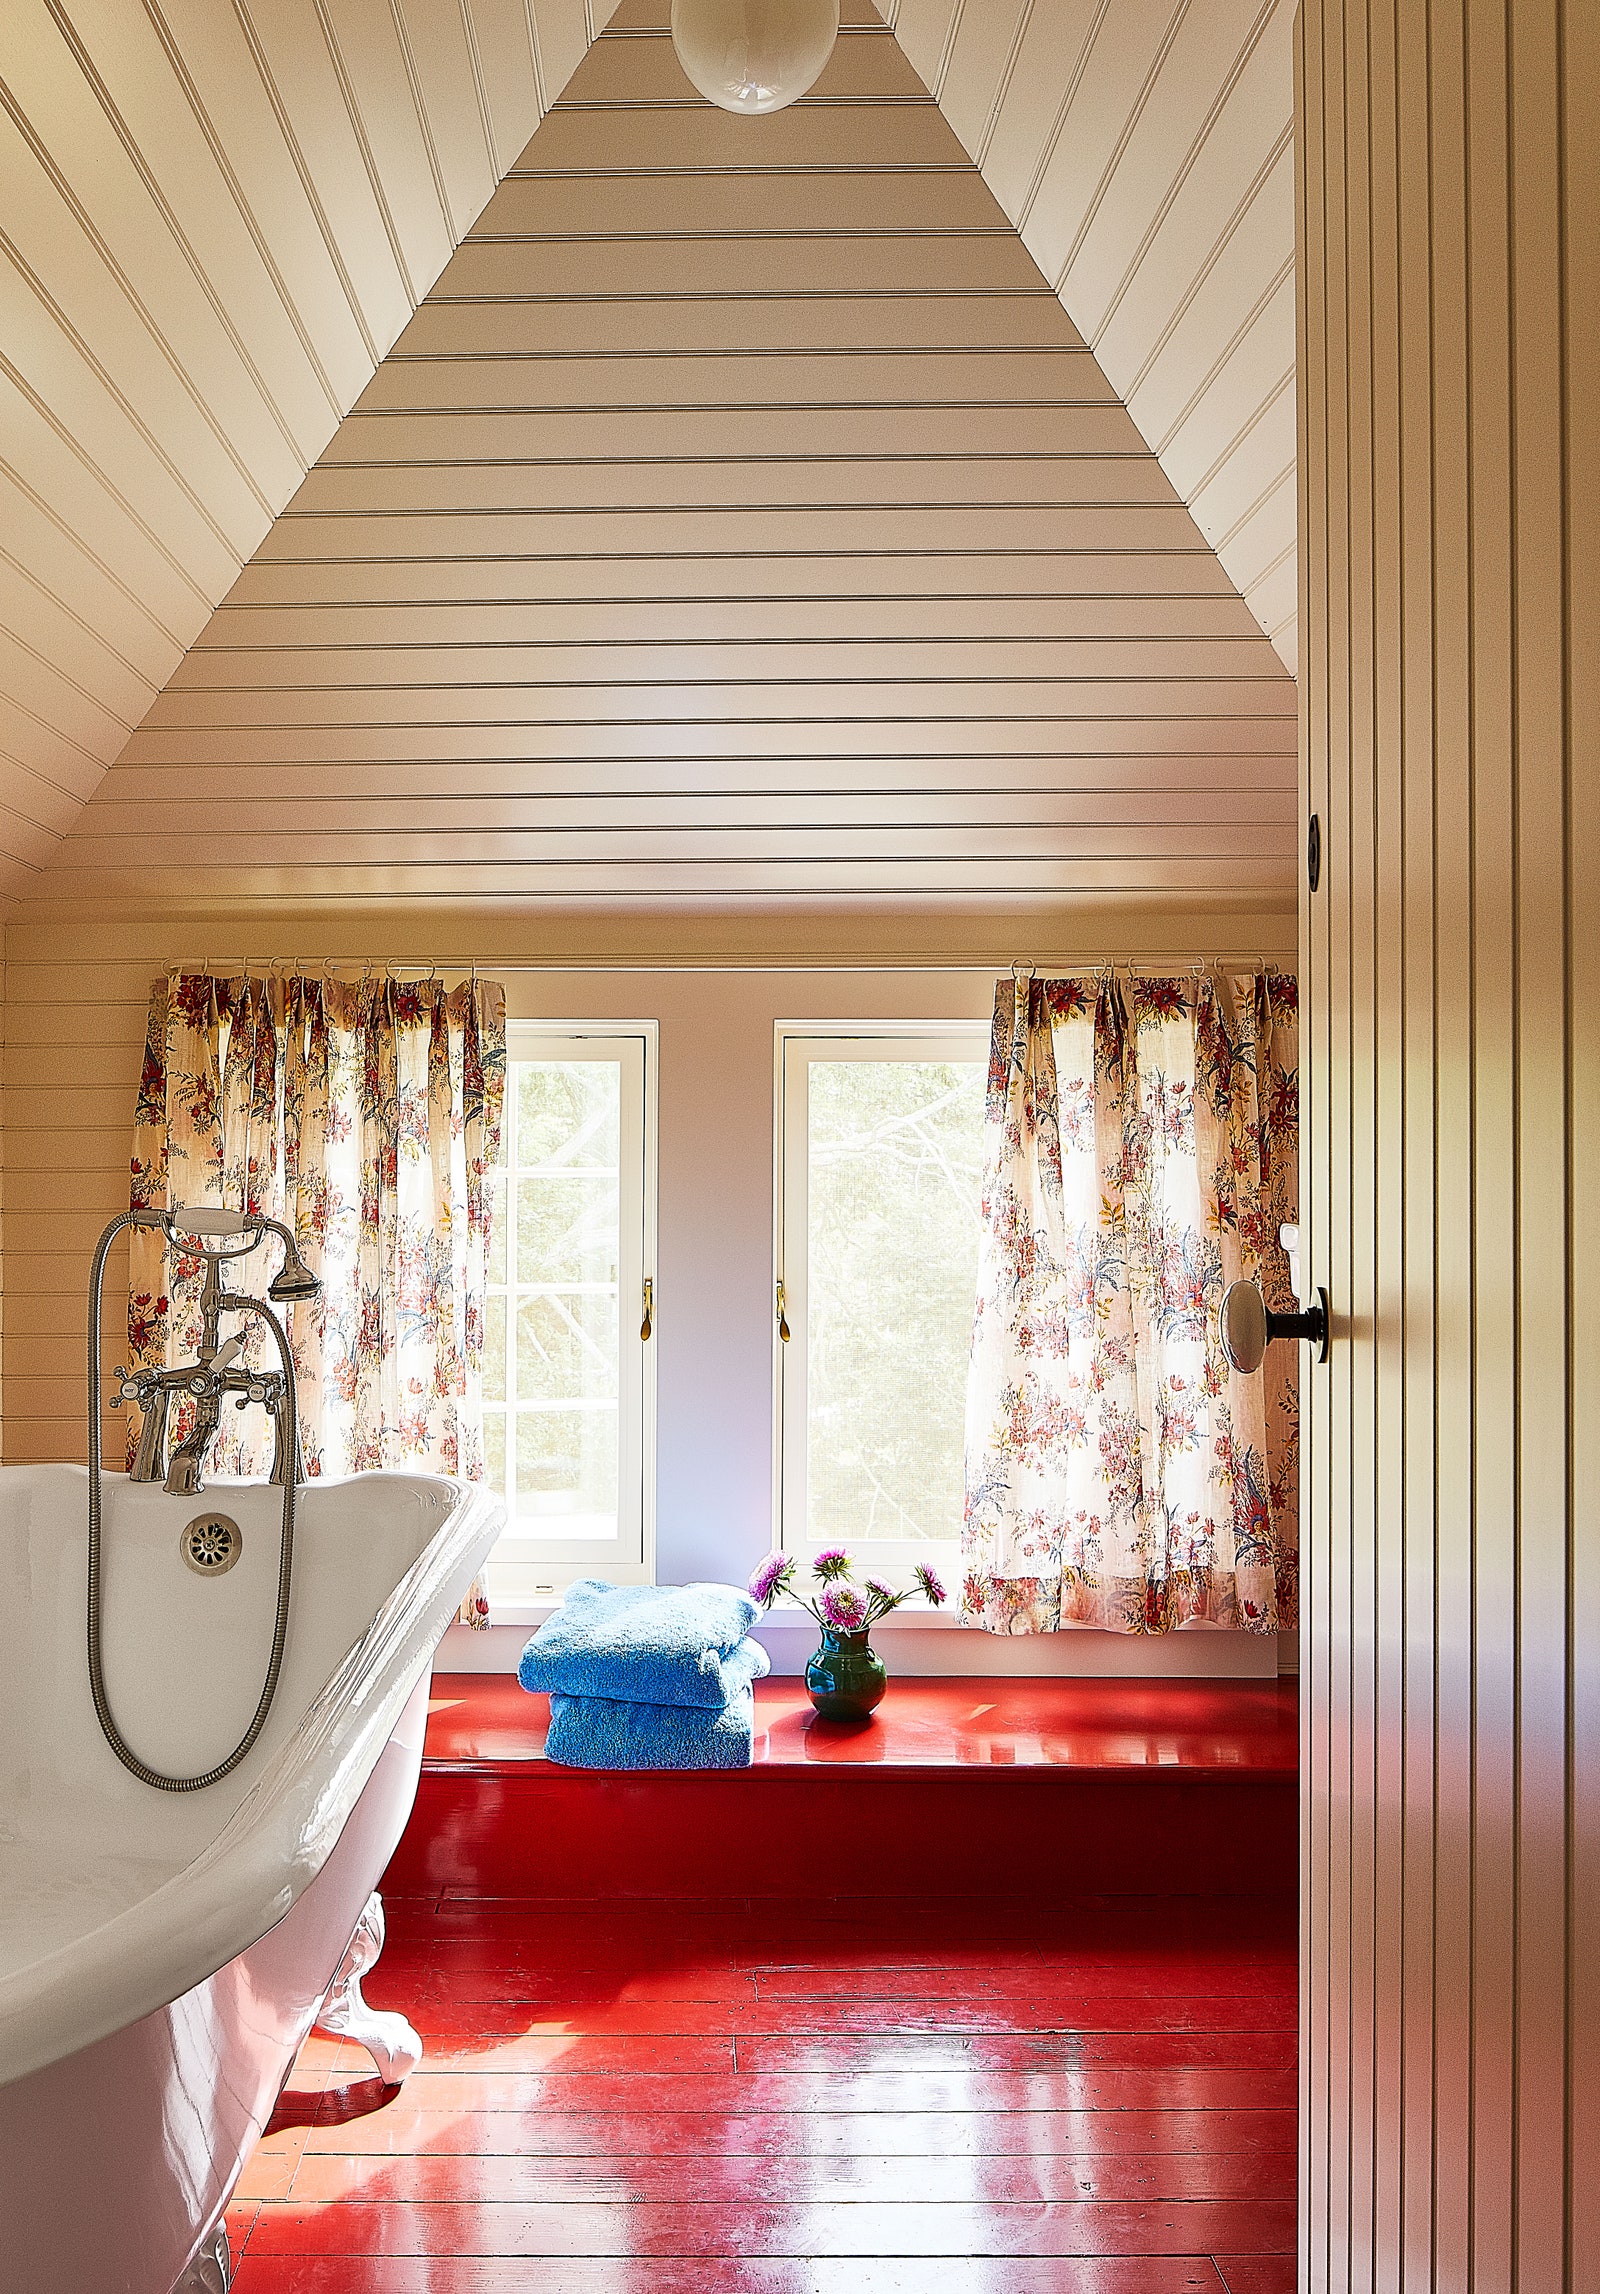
point(797, 1043)
point(527, 1573)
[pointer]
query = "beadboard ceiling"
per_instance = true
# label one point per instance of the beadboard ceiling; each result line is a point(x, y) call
point(740, 514)
point(1144, 150)
point(215, 218)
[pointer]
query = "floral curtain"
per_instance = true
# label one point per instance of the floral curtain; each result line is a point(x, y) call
point(1141, 1153)
point(366, 1117)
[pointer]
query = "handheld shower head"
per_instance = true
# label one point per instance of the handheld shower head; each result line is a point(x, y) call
point(188, 1222)
point(293, 1280)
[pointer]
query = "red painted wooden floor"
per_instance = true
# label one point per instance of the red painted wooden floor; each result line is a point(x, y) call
point(818, 2095)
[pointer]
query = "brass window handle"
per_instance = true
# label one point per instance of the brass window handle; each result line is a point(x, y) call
point(783, 1319)
point(649, 1322)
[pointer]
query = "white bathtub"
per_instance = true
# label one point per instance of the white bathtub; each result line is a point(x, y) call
point(162, 1956)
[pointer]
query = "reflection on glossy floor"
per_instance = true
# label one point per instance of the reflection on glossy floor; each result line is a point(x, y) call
point(828, 2097)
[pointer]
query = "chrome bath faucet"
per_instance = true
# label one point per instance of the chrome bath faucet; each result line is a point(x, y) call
point(217, 1371)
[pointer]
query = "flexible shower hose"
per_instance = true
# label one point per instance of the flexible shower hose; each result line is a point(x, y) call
point(236, 1302)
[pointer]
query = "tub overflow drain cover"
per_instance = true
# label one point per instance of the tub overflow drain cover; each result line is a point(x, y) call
point(211, 1544)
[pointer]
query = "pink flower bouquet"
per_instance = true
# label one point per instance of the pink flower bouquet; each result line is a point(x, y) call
point(839, 1605)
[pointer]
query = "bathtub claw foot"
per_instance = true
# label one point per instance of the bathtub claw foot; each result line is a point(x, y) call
point(387, 2037)
point(211, 2271)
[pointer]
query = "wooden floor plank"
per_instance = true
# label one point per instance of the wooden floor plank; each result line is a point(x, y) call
point(481, 2018)
point(412, 2128)
point(759, 2274)
point(833, 2229)
point(622, 2178)
point(489, 2085)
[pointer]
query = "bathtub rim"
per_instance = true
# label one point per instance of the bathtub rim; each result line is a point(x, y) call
point(280, 1835)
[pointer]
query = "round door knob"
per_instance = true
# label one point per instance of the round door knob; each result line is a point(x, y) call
point(1246, 1325)
point(1243, 1326)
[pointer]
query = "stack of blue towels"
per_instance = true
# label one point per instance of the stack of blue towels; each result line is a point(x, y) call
point(648, 1676)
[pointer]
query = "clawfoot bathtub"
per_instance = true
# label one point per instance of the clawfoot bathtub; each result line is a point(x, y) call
point(162, 1956)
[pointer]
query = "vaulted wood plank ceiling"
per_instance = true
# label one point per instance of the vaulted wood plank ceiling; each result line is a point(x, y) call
point(740, 514)
point(1145, 152)
point(214, 220)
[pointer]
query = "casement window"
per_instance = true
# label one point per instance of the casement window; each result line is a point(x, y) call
point(879, 1139)
point(568, 1372)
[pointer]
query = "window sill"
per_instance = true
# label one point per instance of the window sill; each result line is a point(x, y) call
point(790, 1617)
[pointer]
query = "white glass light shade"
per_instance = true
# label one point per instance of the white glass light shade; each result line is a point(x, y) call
point(754, 55)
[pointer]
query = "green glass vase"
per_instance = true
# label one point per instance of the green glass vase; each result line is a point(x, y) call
point(846, 1677)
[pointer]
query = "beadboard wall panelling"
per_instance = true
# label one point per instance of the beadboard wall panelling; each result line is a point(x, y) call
point(740, 517)
point(1451, 474)
point(214, 221)
point(1144, 152)
point(74, 1034)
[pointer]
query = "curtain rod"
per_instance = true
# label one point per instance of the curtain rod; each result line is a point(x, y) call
point(1049, 968)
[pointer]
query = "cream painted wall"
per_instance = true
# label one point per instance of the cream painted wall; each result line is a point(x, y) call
point(76, 1028)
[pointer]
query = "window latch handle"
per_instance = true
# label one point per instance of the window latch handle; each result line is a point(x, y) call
point(649, 1322)
point(783, 1319)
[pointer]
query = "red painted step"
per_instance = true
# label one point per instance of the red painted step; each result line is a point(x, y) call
point(958, 1787)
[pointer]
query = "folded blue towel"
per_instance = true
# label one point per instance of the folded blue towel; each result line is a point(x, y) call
point(648, 1644)
point(604, 1732)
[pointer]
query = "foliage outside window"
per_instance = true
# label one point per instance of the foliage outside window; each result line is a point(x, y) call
point(880, 1169)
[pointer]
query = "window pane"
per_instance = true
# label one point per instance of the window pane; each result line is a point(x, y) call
point(494, 1349)
point(567, 1227)
point(567, 1347)
point(567, 1470)
point(554, 1342)
point(567, 1114)
point(894, 1154)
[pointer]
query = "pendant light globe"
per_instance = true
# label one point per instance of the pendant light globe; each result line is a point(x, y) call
point(754, 55)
